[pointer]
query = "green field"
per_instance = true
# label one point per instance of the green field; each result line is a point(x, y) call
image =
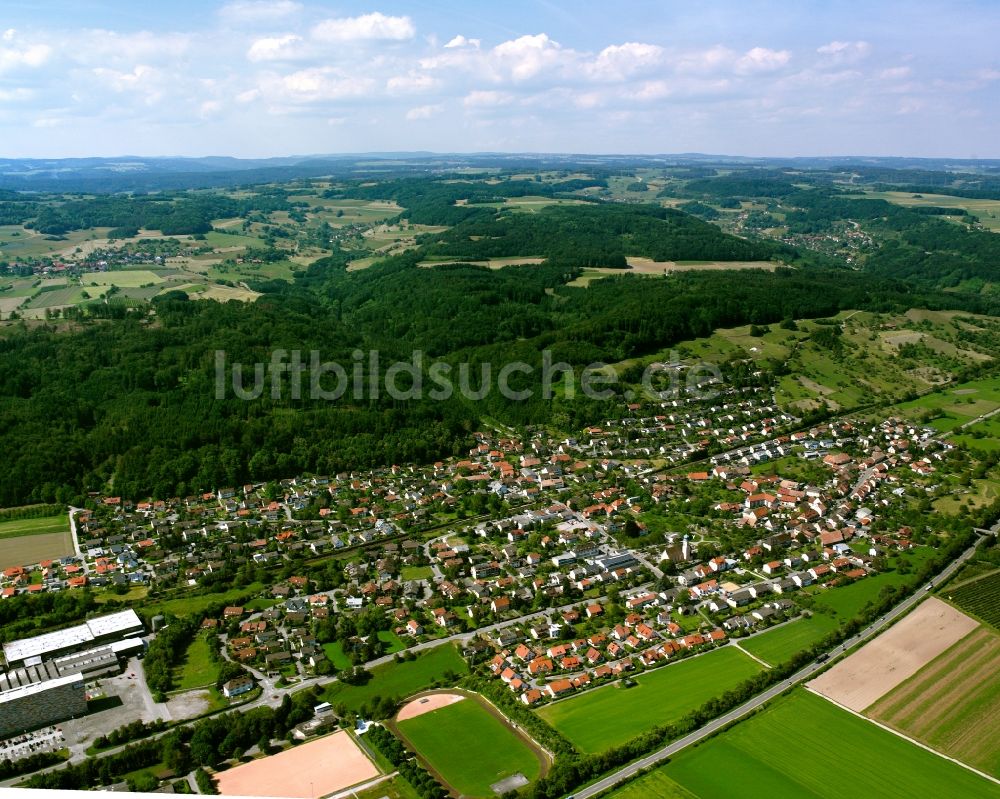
point(188, 605)
point(336, 655)
point(409, 573)
point(197, 669)
point(399, 679)
point(780, 644)
point(129, 278)
point(979, 598)
point(469, 747)
point(395, 788)
point(16, 528)
point(602, 718)
point(393, 643)
point(802, 746)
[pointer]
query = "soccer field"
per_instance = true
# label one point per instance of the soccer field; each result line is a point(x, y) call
point(470, 747)
point(606, 717)
point(803, 746)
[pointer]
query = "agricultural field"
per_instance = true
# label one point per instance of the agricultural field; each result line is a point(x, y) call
point(979, 598)
point(129, 278)
point(988, 211)
point(399, 679)
point(803, 746)
point(490, 751)
point(45, 525)
point(952, 704)
point(32, 548)
point(606, 717)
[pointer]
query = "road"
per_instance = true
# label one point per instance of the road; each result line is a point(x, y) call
point(717, 724)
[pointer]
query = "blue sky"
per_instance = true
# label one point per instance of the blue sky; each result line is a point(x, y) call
point(281, 77)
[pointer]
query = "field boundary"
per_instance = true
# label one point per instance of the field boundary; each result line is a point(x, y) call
point(905, 737)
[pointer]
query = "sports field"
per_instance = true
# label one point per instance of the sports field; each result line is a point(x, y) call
point(471, 747)
point(802, 746)
point(399, 679)
point(314, 769)
point(952, 704)
point(602, 718)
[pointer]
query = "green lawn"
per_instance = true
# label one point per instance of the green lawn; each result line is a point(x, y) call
point(609, 716)
point(393, 643)
point(196, 670)
point(469, 747)
point(416, 573)
point(399, 679)
point(188, 605)
point(395, 788)
point(802, 746)
point(41, 526)
point(778, 645)
point(335, 653)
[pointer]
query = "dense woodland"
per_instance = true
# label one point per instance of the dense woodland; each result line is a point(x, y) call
point(129, 399)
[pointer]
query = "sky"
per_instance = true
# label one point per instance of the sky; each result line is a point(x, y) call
point(256, 78)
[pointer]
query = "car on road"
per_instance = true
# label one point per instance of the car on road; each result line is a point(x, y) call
point(822, 657)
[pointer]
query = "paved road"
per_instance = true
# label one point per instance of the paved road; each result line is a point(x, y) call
point(715, 725)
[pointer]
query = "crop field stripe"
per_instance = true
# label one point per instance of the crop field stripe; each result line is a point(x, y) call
point(960, 718)
point(909, 739)
point(979, 598)
point(798, 746)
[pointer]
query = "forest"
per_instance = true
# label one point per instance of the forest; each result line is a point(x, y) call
point(126, 394)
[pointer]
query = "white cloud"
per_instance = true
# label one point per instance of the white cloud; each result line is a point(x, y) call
point(123, 81)
point(837, 52)
point(32, 55)
point(487, 99)
point(461, 41)
point(253, 11)
point(527, 56)
point(15, 95)
point(209, 108)
point(988, 74)
point(314, 85)
point(619, 61)
point(412, 83)
point(651, 90)
point(760, 59)
point(274, 48)
point(701, 61)
point(248, 96)
point(424, 112)
point(368, 27)
point(895, 73)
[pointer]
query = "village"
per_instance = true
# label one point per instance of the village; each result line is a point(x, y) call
point(545, 558)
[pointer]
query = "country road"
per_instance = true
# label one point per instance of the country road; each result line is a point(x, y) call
point(715, 725)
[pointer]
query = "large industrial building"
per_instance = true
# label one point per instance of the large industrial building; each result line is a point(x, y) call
point(45, 676)
point(102, 630)
point(32, 706)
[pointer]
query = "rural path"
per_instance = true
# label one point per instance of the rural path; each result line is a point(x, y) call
point(763, 663)
point(714, 726)
point(76, 539)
